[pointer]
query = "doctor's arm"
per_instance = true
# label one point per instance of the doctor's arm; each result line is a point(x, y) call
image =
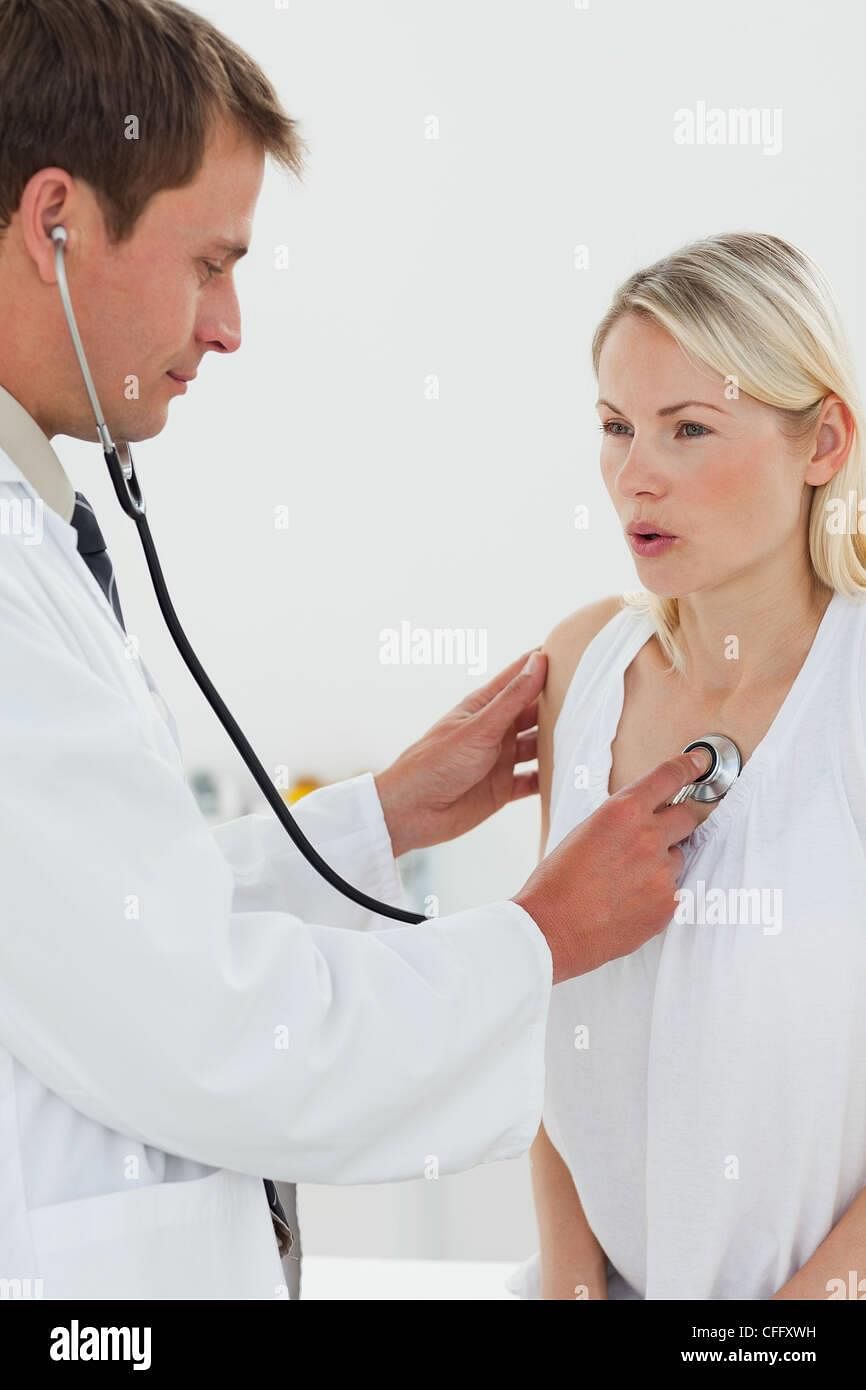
point(250, 1040)
point(345, 823)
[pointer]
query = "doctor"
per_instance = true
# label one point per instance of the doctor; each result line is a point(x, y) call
point(183, 1011)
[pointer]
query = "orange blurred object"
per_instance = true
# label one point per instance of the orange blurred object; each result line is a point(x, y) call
point(300, 787)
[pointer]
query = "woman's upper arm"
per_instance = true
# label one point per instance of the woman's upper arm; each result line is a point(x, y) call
point(564, 648)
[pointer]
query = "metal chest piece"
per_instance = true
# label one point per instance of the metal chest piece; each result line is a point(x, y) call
point(720, 776)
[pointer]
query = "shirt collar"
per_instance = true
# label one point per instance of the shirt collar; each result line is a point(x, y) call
point(25, 449)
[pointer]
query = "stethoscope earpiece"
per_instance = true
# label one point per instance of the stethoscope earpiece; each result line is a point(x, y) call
point(121, 470)
point(721, 774)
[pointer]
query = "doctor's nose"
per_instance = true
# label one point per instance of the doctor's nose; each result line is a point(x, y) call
point(223, 338)
point(221, 331)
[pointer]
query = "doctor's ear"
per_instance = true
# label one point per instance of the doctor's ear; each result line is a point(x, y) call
point(47, 202)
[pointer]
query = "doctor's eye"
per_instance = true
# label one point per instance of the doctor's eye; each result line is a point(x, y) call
point(212, 269)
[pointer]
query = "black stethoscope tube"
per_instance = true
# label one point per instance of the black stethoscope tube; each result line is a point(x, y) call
point(129, 495)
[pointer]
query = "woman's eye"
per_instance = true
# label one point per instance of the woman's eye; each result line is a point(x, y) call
point(613, 427)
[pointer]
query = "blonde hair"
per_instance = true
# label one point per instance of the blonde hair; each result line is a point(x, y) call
point(758, 310)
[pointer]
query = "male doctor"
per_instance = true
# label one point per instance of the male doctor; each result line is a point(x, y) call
point(185, 1012)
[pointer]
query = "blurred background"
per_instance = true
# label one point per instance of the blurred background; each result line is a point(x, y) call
point(407, 438)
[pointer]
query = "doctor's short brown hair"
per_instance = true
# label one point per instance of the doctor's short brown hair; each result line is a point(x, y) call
point(73, 73)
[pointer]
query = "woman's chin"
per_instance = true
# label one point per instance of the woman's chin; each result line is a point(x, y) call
point(673, 587)
point(661, 580)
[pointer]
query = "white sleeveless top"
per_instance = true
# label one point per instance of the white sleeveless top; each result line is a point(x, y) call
point(708, 1092)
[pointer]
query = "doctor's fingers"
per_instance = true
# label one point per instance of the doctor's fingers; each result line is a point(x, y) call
point(512, 686)
point(526, 746)
point(652, 791)
point(677, 860)
point(524, 784)
point(676, 823)
point(528, 718)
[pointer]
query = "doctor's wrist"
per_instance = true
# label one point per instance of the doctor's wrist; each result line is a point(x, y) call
point(394, 811)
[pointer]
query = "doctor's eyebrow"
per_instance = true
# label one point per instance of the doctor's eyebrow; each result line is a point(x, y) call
point(666, 409)
point(229, 249)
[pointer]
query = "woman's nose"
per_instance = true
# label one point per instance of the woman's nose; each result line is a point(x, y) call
point(640, 471)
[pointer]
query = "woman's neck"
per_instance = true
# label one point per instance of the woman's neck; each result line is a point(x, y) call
point(751, 632)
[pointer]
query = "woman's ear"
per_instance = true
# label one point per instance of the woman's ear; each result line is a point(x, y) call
point(833, 441)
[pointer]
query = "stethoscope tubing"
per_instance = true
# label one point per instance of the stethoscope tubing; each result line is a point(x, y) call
point(131, 499)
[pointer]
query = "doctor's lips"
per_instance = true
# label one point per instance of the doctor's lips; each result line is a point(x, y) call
point(648, 538)
point(181, 378)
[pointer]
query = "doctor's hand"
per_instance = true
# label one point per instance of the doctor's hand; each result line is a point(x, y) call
point(463, 769)
point(609, 885)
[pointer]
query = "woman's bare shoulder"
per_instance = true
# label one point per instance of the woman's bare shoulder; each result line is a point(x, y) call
point(567, 643)
point(564, 648)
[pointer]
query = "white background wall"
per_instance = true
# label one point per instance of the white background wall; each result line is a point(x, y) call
point(409, 256)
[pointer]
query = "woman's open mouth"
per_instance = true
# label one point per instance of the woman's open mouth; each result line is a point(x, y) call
point(651, 544)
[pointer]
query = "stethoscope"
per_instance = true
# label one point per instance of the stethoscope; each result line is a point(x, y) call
point(710, 786)
point(721, 774)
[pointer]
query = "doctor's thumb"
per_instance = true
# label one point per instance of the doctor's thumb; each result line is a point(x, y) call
point(535, 666)
point(522, 690)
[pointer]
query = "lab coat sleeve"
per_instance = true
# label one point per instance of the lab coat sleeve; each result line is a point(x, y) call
point(346, 824)
point(254, 1041)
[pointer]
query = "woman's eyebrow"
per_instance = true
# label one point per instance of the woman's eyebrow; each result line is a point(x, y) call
point(666, 409)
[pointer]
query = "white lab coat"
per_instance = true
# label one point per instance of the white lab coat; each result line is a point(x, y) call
point(184, 1011)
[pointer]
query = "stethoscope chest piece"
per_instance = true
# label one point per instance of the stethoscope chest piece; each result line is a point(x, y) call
point(720, 776)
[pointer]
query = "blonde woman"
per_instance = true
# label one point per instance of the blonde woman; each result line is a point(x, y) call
point(704, 1127)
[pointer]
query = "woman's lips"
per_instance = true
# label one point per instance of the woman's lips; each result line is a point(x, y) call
point(649, 546)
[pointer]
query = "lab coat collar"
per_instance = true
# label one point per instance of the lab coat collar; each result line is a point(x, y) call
point(25, 450)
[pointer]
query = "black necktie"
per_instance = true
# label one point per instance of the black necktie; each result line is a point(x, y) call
point(92, 549)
